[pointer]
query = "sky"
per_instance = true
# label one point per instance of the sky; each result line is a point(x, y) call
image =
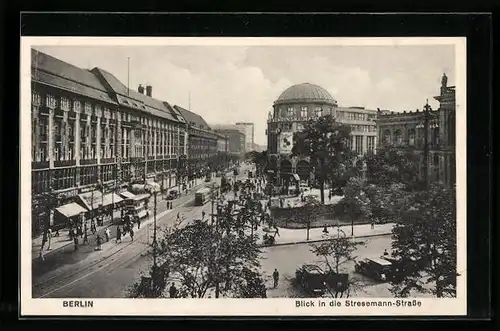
point(229, 84)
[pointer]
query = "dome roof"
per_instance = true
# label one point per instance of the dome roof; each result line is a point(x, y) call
point(305, 92)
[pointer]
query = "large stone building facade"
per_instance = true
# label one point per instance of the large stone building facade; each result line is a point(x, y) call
point(88, 128)
point(299, 104)
point(236, 141)
point(202, 142)
point(410, 128)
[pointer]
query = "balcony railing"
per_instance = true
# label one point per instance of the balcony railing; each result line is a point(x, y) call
point(88, 161)
point(65, 163)
point(39, 164)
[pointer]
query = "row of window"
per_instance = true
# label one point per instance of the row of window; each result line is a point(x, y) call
point(398, 138)
point(74, 105)
point(354, 116)
point(66, 178)
point(88, 151)
point(304, 112)
point(363, 128)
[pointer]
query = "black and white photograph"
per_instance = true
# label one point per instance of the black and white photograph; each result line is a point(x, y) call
point(312, 171)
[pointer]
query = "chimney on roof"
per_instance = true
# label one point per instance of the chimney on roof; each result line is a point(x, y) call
point(140, 89)
point(149, 91)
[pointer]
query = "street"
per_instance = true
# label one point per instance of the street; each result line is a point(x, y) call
point(287, 259)
point(108, 273)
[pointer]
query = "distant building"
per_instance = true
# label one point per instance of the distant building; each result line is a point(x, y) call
point(249, 130)
point(222, 142)
point(301, 103)
point(236, 140)
point(202, 140)
point(408, 129)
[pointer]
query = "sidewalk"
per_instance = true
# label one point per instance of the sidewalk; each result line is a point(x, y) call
point(64, 244)
point(297, 236)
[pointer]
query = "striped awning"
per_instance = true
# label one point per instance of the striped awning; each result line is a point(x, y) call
point(71, 209)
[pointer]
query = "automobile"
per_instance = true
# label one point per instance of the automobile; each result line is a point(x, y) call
point(311, 279)
point(399, 265)
point(172, 194)
point(375, 268)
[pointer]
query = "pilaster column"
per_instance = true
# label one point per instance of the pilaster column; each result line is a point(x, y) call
point(36, 133)
point(77, 138)
point(107, 152)
point(365, 144)
point(50, 138)
point(65, 136)
point(118, 147)
point(88, 137)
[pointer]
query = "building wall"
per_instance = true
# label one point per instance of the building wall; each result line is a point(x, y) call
point(289, 118)
point(77, 141)
point(248, 129)
point(235, 141)
point(408, 129)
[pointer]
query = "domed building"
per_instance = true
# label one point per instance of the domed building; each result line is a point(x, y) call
point(299, 104)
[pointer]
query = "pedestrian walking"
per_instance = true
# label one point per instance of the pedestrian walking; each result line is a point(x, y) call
point(385, 252)
point(44, 239)
point(132, 234)
point(42, 256)
point(75, 242)
point(138, 223)
point(49, 238)
point(276, 277)
point(202, 215)
point(118, 234)
point(325, 229)
point(85, 238)
point(98, 241)
point(173, 291)
point(107, 233)
point(373, 225)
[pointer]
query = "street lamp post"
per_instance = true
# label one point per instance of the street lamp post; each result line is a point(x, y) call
point(426, 144)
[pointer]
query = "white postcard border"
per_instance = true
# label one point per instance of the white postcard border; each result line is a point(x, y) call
point(241, 307)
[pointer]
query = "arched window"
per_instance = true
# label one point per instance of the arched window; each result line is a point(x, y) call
point(411, 137)
point(387, 137)
point(398, 137)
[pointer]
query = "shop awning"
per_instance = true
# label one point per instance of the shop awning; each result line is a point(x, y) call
point(127, 195)
point(297, 178)
point(111, 198)
point(71, 209)
point(142, 196)
point(91, 201)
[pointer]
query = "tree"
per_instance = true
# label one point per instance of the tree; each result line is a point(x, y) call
point(334, 252)
point(325, 142)
point(210, 257)
point(387, 202)
point(424, 244)
point(356, 202)
point(311, 209)
point(393, 164)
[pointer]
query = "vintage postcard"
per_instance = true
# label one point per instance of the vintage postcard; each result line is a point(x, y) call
point(243, 176)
